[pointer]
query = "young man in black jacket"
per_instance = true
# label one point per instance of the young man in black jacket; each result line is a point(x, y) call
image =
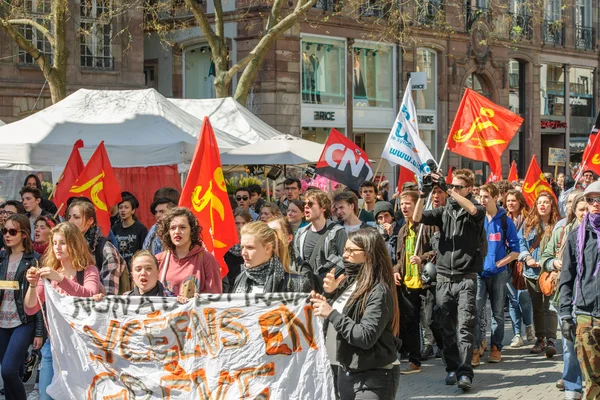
point(458, 261)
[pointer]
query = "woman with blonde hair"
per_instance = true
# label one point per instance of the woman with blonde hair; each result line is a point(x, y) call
point(269, 211)
point(266, 262)
point(71, 270)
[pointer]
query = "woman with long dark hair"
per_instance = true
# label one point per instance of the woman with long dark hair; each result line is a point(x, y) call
point(366, 321)
point(534, 236)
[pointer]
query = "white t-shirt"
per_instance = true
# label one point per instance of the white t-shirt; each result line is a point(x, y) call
point(330, 340)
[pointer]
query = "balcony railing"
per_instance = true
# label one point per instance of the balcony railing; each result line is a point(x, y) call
point(585, 37)
point(430, 12)
point(553, 32)
point(98, 62)
point(474, 14)
point(328, 5)
point(520, 26)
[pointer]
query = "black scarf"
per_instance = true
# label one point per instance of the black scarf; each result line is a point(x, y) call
point(269, 275)
point(157, 291)
point(352, 269)
point(92, 236)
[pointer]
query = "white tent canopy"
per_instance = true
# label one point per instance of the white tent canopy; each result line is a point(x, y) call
point(229, 116)
point(139, 128)
point(281, 150)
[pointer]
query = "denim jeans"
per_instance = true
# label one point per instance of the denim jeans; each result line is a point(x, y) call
point(47, 371)
point(493, 288)
point(571, 370)
point(14, 343)
point(372, 384)
point(519, 307)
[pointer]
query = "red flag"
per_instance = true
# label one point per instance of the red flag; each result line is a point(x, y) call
point(98, 183)
point(72, 170)
point(449, 177)
point(405, 175)
point(512, 174)
point(588, 146)
point(344, 162)
point(205, 194)
point(535, 183)
point(493, 177)
point(482, 130)
point(592, 160)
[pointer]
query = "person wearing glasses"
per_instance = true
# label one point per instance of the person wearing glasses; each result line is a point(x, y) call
point(588, 179)
point(362, 320)
point(458, 260)
point(579, 292)
point(17, 328)
point(7, 209)
point(293, 191)
point(242, 196)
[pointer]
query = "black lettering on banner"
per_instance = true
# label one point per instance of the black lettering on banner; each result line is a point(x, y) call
point(227, 324)
point(84, 304)
point(136, 388)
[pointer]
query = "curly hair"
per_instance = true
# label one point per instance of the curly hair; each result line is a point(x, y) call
point(322, 199)
point(534, 219)
point(165, 224)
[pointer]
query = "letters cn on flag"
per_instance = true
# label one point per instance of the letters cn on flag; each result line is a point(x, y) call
point(404, 146)
point(205, 194)
point(214, 347)
point(72, 170)
point(344, 162)
point(535, 183)
point(482, 130)
point(98, 183)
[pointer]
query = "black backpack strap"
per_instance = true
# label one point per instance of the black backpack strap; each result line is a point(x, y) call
point(99, 252)
point(80, 277)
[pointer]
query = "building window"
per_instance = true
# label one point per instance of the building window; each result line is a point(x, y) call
point(426, 62)
point(95, 31)
point(372, 76)
point(323, 71)
point(199, 74)
point(552, 89)
point(581, 96)
point(38, 10)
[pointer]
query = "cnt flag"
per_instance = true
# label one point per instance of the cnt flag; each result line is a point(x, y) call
point(70, 174)
point(98, 183)
point(344, 162)
point(513, 176)
point(404, 146)
point(205, 194)
point(482, 130)
point(535, 183)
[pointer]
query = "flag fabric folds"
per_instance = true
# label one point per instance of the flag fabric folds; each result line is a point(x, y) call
point(205, 194)
point(72, 170)
point(535, 183)
point(98, 183)
point(449, 177)
point(513, 176)
point(591, 159)
point(482, 130)
point(405, 175)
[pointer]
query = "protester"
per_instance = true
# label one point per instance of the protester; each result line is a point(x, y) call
point(383, 191)
point(41, 237)
point(17, 328)
point(159, 209)
point(457, 263)
point(269, 211)
point(33, 180)
point(31, 198)
point(69, 267)
point(346, 209)
point(579, 295)
point(502, 249)
point(365, 321)
point(388, 227)
point(295, 214)
point(186, 268)
point(242, 196)
point(293, 191)
point(266, 263)
point(112, 267)
point(568, 187)
point(368, 192)
point(534, 236)
point(560, 181)
point(233, 258)
point(130, 233)
point(256, 200)
point(568, 205)
point(320, 244)
point(588, 179)
point(279, 193)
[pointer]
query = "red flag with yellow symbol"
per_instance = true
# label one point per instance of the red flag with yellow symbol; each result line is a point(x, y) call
point(482, 130)
point(513, 176)
point(73, 169)
point(205, 194)
point(98, 183)
point(535, 183)
point(591, 160)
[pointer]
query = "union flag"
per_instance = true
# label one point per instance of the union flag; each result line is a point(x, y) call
point(98, 183)
point(72, 170)
point(513, 176)
point(535, 183)
point(205, 194)
point(482, 130)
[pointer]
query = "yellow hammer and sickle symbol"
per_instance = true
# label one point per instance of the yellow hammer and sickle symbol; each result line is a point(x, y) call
point(534, 187)
point(96, 188)
point(596, 159)
point(200, 201)
point(459, 137)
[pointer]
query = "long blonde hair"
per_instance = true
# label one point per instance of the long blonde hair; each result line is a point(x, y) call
point(266, 235)
point(78, 248)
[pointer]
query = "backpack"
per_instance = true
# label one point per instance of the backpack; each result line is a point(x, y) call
point(124, 280)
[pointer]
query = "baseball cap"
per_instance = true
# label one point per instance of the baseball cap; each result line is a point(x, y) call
point(594, 187)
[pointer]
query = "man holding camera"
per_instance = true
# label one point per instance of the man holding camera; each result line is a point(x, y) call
point(459, 259)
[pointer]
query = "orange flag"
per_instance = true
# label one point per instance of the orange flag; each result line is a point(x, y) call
point(70, 174)
point(205, 194)
point(482, 130)
point(405, 175)
point(535, 183)
point(591, 161)
point(98, 183)
point(512, 174)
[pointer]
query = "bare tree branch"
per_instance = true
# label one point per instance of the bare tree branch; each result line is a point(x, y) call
point(36, 25)
point(25, 44)
point(203, 23)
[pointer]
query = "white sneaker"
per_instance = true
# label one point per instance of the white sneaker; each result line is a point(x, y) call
point(530, 333)
point(517, 342)
point(34, 395)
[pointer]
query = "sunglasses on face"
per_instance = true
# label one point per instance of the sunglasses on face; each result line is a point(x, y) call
point(244, 198)
point(457, 187)
point(309, 204)
point(11, 232)
point(592, 200)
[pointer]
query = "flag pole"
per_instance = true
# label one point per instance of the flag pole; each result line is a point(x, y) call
point(377, 169)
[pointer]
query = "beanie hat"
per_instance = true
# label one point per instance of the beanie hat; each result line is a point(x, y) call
point(382, 206)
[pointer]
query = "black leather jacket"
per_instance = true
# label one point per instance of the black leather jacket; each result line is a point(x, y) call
point(28, 260)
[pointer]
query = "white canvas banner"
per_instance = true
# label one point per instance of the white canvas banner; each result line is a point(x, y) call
point(216, 347)
point(404, 145)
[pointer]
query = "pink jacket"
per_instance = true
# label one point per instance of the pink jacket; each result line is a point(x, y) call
point(70, 287)
point(197, 272)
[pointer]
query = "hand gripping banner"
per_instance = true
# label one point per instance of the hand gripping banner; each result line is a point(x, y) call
point(255, 346)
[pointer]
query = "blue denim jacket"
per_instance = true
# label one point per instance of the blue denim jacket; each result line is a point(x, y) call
point(525, 244)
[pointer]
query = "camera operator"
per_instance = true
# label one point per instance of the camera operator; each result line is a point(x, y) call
point(458, 262)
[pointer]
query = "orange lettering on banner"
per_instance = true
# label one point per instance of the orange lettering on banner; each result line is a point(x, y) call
point(272, 324)
point(105, 344)
point(205, 332)
point(127, 330)
point(179, 323)
point(243, 377)
point(236, 329)
point(92, 393)
point(179, 380)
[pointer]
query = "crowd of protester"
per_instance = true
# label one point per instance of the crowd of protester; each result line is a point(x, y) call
point(392, 275)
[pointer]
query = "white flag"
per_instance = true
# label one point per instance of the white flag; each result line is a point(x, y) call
point(404, 145)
